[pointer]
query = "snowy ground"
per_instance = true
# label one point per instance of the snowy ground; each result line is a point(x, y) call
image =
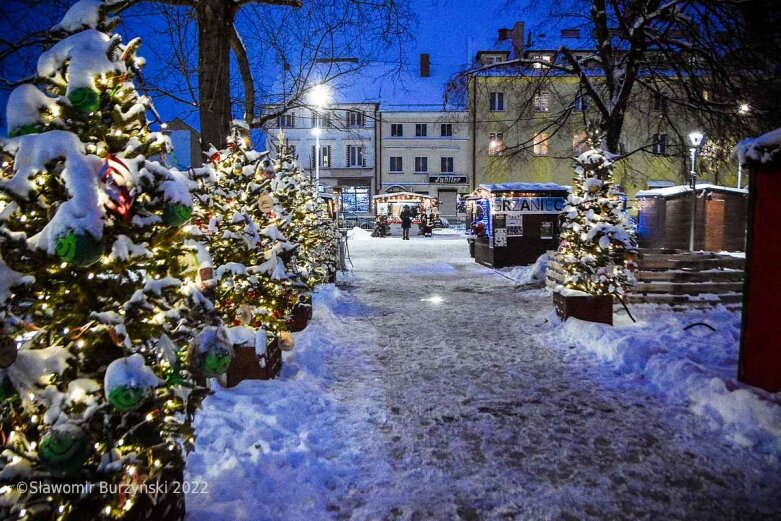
point(428, 387)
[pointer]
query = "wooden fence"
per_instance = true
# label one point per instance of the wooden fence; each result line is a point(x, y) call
point(678, 278)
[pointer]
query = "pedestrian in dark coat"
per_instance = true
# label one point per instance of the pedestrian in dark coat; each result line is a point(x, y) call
point(406, 222)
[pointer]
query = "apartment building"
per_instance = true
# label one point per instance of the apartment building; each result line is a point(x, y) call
point(425, 152)
point(513, 111)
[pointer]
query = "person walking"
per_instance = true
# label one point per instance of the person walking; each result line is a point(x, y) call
point(406, 222)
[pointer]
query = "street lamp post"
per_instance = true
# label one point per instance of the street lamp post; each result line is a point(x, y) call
point(316, 131)
point(696, 139)
point(319, 97)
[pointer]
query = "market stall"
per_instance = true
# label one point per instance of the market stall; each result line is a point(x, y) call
point(391, 205)
point(514, 223)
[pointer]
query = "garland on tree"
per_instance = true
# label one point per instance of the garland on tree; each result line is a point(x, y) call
point(596, 239)
point(104, 327)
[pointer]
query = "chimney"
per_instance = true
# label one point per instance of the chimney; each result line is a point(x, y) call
point(425, 65)
point(516, 35)
point(504, 34)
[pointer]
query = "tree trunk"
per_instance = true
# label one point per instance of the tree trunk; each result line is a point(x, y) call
point(215, 21)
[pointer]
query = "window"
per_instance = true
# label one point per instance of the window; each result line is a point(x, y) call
point(396, 165)
point(496, 101)
point(541, 101)
point(286, 121)
point(397, 129)
point(356, 119)
point(579, 143)
point(659, 146)
point(421, 130)
point(581, 103)
point(540, 147)
point(446, 130)
point(355, 198)
point(490, 60)
point(421, 165)
point(325, 156)
point(321, 120)
point(446, 165)
point(495, 143)
point(355, 156)
point(660, 101)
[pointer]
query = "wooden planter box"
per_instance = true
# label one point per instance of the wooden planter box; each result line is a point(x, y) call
point(590, 308)
point(247, 365)
point(299, 317)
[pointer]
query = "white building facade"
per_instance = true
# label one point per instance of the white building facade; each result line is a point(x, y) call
point(348, 148)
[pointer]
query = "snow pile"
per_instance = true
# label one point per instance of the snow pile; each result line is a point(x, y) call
point(531, 274)
point(763, 149)
point(695, 366)
point(359, 234)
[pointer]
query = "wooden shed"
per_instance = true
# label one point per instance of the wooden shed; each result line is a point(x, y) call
point(664, 218)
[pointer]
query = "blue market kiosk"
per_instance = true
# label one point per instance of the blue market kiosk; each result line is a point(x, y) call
point(517, 222)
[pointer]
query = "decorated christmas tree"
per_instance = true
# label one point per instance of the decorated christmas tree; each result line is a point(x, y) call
point(595, 237)
point(310, 225)
point(241, 221)
point(104, 328)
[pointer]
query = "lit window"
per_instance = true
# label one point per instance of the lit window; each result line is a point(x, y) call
point(540, 147)
point(579, 143)
point(495, 143)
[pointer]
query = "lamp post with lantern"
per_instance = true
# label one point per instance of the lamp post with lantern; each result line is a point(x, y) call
point(697, 139)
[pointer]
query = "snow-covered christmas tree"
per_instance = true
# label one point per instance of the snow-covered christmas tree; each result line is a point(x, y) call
point(104, 326)
point(241, 223)
point(595, 238)
point(310, 225)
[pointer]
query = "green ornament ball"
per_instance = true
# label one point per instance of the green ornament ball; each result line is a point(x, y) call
point(78, 249)
point(216, 362)
point(64, 451)
point(176, 214)
point(85, 100)
point(126, 398)
point(30, 128)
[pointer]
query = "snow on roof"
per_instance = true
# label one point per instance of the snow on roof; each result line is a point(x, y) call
point(396, 87)
point(522, 187)
point(681, 189)
point(763, 149)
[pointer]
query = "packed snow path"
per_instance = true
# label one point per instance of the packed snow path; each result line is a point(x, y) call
point(396, 405)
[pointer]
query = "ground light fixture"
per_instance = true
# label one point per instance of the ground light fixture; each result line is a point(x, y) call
point(433, 299)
